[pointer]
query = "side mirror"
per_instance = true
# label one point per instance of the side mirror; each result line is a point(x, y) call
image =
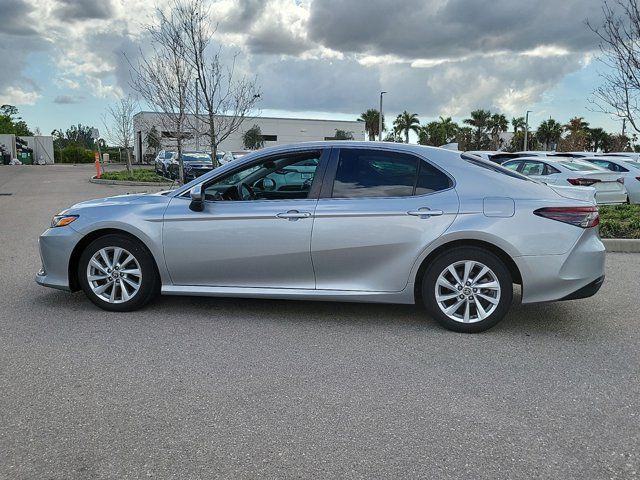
point(197, 199)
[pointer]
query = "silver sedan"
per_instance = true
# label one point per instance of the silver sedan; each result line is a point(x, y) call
point(354, 221)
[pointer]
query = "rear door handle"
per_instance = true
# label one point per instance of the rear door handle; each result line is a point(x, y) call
point(293, 215)
point(425, 212)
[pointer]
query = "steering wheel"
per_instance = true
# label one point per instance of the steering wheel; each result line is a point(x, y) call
point(245, 192)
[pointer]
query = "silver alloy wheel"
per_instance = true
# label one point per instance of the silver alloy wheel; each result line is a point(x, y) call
point(114, 275)
point(467, 291)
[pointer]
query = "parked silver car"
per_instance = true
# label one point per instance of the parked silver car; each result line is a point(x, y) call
point(353, 221)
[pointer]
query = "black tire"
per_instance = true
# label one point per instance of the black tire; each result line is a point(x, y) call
point(460, 254)
point(149, 281)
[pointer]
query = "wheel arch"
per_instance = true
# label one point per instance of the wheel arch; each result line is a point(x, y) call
point(511, 265)
point(74, 259)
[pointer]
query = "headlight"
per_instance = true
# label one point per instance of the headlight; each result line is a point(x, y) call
point(62, 220)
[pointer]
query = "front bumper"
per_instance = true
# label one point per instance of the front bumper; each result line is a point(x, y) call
point(578, 273)
point(56, 247)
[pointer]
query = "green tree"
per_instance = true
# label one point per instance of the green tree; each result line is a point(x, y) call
point(549, 133)
point(11, 123)
point(598, 139)
point(343, 135)
point(479, 120)
point(406, 122)
point(577, 140)
point(464, 138)
point(517, 142)
point(448, 128)
point(518, 123)
point(371, 119)
point(252, 138)
point(497, 124)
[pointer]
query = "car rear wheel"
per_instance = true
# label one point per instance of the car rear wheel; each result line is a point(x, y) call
point(467, 289)
point(118, 273)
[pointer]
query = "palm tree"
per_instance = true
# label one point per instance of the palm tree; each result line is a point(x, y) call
point(549, 132)
point(497, 124)
point(598, 139)
point(406, 122)
point(518, 123)
point(576, 125)
point(371, 119)
point(479, 120)
point(448, 129)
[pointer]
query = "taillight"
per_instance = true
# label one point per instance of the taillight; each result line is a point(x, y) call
point(582, 182)
point(584, 217)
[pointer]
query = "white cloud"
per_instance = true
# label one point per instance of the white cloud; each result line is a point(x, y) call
point(17, 96)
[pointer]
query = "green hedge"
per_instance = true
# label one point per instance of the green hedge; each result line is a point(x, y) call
point(620, 221)
point(137, 175)
point(74, 154)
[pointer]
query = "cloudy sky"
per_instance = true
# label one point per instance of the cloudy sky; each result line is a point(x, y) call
point(61, 61)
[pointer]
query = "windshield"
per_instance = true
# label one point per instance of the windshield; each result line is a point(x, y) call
point(580, 166)
point(196, 157)
point(494, 167)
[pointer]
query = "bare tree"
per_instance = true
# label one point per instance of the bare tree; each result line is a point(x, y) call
point(619, 35)
point(163, 77)
point(118, 124)
point(224, 97)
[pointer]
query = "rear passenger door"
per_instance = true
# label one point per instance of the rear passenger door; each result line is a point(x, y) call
point(379, 209)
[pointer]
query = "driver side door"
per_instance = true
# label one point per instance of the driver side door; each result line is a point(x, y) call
point(256, 240)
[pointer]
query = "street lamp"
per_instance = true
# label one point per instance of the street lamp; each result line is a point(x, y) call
point(526, 129)
point(380, 119)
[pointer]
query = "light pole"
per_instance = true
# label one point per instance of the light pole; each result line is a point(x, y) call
point(380, 119)
point(197, 116)
point(526, 130)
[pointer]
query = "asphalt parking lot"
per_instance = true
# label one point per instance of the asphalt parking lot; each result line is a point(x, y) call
point(232, 388)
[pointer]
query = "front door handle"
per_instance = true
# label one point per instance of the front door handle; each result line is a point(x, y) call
point(293, 215)
point(425, 212)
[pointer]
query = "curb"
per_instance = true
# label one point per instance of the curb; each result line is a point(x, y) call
point(621, 245)
point(128, 183)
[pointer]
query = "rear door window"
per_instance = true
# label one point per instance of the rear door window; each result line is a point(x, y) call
point(379, 173)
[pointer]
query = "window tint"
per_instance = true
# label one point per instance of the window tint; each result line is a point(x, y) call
point(430, 179)
point(512, 165)
point(532, 168)
point(376, 173)
point(580, 166)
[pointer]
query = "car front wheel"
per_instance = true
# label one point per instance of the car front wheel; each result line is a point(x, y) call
point(467, 289)
point(118, 273)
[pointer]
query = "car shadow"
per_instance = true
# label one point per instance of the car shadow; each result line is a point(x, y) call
point(535, 319)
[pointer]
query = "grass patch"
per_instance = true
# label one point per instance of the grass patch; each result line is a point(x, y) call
point(136, 175)
point(620, 221)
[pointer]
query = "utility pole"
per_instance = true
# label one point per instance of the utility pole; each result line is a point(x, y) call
point(526, 130)
point(380, 119)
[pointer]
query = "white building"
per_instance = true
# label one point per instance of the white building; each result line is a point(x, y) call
point(275, 131)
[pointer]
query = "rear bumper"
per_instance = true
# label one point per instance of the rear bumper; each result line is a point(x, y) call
point(586, 291)
point(608, 198)
point(547, 278)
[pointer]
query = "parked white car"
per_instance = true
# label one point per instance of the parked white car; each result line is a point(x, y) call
point(627, 168)
point(562, 171)
point(163, 161)
point(631, 155)
point(230, 156)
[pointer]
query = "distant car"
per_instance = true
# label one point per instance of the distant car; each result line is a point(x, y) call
point(632, 155)
point(496, 157)
point(564, 171)
point(194, 165)
point(357, 221)
point(162, 162)
point(627, 168)
point(233, 155)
